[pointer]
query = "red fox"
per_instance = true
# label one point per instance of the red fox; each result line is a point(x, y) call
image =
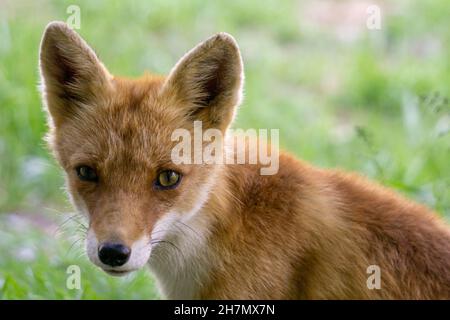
point(222, 230)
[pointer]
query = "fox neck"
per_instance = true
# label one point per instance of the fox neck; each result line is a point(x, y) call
point(182, 264)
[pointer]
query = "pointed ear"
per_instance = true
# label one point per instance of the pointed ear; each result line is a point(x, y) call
point(71, 74)
point(207, 81)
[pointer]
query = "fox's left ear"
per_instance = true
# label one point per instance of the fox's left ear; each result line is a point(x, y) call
point(208, 80)
point(72, 76)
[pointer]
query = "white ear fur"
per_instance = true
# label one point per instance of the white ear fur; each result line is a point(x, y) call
point(208, 80)
point(71, 73)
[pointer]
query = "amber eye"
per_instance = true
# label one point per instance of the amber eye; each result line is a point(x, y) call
point(86, 173)
point(167, 179)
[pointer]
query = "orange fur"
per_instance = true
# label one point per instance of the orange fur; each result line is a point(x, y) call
point(304, 233)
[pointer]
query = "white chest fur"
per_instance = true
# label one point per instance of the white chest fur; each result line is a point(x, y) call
point(181, 261)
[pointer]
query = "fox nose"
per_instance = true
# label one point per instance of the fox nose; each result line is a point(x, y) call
point(114, 254)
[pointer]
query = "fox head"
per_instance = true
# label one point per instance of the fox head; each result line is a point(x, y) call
point(112, 137)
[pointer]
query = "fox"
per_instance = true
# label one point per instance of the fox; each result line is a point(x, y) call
point(221, 231)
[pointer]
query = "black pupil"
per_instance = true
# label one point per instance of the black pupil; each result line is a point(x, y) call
point(86, 173)
point(168, 179)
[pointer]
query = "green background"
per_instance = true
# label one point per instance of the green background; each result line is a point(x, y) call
point(342, 95)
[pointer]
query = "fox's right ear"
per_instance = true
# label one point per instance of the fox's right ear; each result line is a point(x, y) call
point(208, 81)
point(72, 77)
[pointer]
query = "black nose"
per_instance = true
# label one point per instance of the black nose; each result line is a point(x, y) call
point(114, 254)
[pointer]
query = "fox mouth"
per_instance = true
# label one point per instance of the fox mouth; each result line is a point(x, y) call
point(117, 273)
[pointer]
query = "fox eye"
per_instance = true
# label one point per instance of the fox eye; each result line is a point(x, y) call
point(86, 173)
point(167, 179)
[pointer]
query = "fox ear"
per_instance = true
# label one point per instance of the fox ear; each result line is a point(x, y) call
point(208, 80)
point(71, 74)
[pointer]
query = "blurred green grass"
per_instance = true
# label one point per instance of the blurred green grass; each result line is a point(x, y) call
point(372, 101)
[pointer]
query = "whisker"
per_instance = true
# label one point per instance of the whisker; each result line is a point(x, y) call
point(72, 246)
point(160, 230)
point(189, 227)
point(167, 230)
point(156, 241)
point(66, 220)
point(74, 218)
